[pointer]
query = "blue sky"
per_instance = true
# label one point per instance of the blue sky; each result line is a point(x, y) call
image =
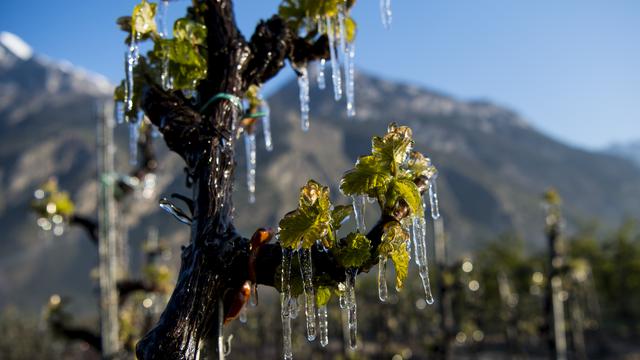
point(571, 67)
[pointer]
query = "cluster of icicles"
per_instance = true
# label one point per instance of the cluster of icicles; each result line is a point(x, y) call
point(131, 60)
point(347, 299)
point(342, 55)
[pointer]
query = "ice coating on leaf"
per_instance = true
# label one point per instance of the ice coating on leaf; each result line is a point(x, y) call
point(350, 73)
point(266, 125)
point(433, 199)
point(306, 271)
point(420, 247)
point(303, 85)
point(382, 280)
point(250, 153)
point(394, 245)
point(323, 325)
point(385, 13)
point(285, 300)
point(419, 165)
point(336, 76)
point(359, 203)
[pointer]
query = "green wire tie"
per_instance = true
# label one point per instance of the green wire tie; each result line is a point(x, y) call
point(226, 96)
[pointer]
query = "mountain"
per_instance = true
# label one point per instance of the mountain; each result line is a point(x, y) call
point(493, 165)
point(629, 150)
point(48, 128)
point(493, 168)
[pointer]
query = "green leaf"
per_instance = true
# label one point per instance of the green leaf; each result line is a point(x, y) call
point(419, 165)
point(311, 221)
point(400, 258)
point(392, 149)
point(190, 31)
point(339, 213)
point(406, 190)
point(143, 19)
point(323, 295)
point(394, 245)
point(353, 251)
point(368, 175)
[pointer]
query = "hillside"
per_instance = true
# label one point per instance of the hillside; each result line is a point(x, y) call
point(493, 168)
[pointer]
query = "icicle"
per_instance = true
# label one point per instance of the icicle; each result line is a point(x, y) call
point(433, 199)
point(303, 84)
point(336, 76)
point(132, 56)
point(119, 112)
point(285, 299)
point(294, 309)
point(420, 247)
point(266, 125)
point(323, 325)
point(322, 82)
point(352, 319)
point(358, 212)
point(165, 78)
point(342, 30)
point(250, 153)
point(134, 135)
point(167, 206)
point(342, 299)
point(243, 315)
point(253, 299)
point(382, 281)
point(385, 13)
point(350, 73)
point(306, 270)
point(220, 329)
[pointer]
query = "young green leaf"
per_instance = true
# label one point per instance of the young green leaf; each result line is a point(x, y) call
point(353, 251)
point(323, 295)
point(311, 221)
point(368, 175)
point(339, 213)
point(143, 19)
point(406, 190)
point(394, 245)
point(419, 165)
point(392, 149)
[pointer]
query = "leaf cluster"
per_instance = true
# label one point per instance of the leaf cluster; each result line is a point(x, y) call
point(388, 174)
point(52, 195)
point(311, 15)
point(314, 219)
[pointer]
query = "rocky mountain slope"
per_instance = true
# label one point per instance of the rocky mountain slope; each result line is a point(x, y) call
point(493, 168)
